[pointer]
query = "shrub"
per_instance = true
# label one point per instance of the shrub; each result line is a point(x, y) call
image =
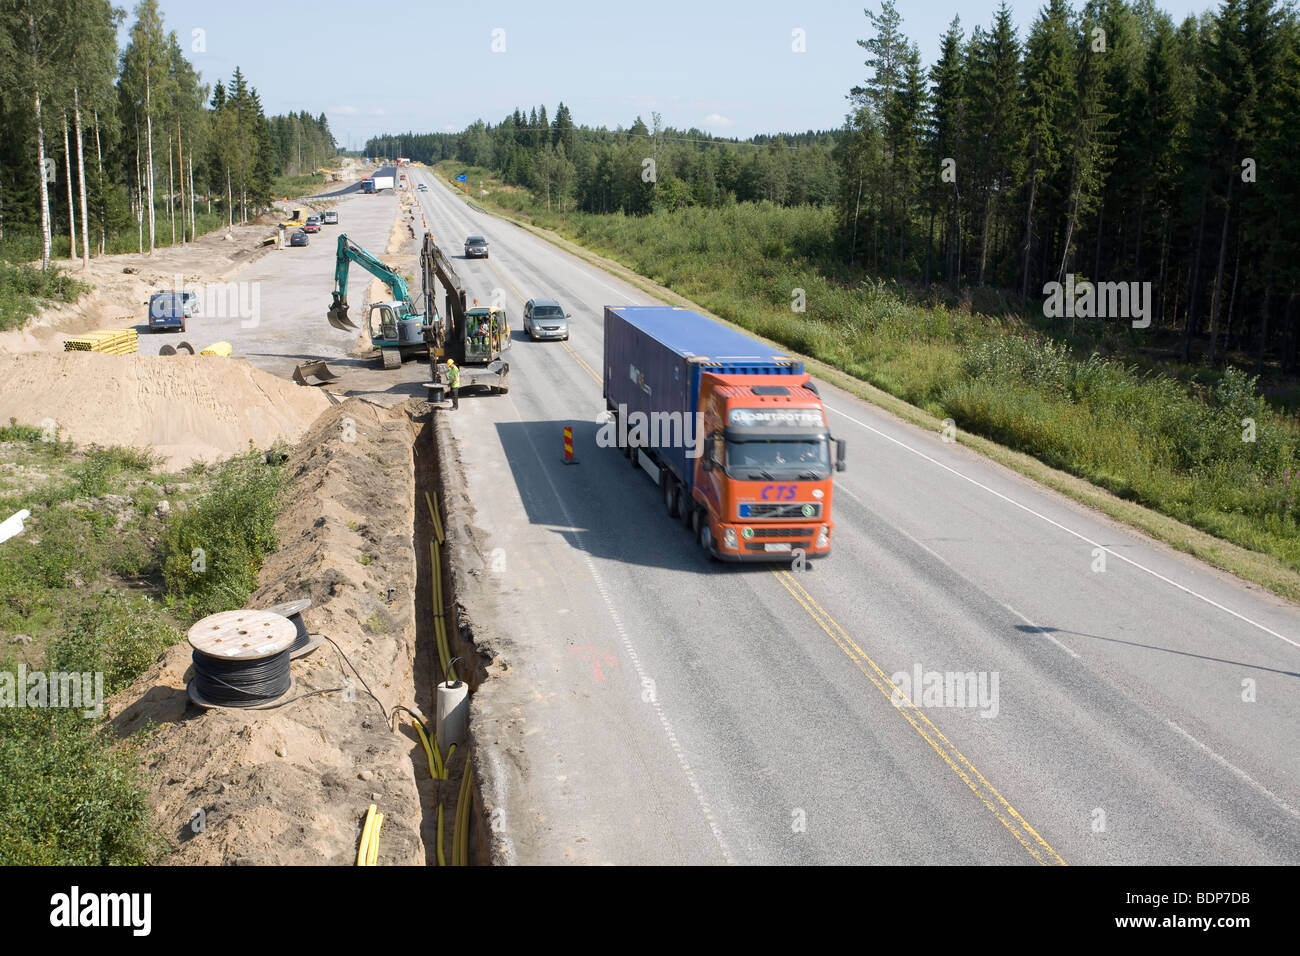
point(68, 797)
point(213, 551)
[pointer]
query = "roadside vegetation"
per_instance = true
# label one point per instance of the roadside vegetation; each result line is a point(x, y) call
point(299, 184)
point(95, 584)
point(24, 291)
point(1083, 399)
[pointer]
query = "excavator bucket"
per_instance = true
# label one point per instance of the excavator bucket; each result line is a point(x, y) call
point(313, 373)
point(338, 315)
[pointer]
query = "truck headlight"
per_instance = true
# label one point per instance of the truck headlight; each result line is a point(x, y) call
point(823, 537)
point(729, 538)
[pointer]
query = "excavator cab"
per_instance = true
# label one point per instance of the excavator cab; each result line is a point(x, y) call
point(383, 324)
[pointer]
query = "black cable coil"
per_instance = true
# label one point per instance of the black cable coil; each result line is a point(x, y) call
point(293, 611)
point(235, 683)
point(301, 638)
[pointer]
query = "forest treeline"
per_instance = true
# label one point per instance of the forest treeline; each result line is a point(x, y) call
point(96, 141)
point(1106, 143)
point(635, 170)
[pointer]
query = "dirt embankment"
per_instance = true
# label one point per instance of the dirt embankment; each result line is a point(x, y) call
point(290, 785)
point(184, 407)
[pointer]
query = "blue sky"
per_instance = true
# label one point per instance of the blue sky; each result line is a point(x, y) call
point(728, 68)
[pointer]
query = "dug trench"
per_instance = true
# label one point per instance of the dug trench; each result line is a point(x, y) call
point(291, 785)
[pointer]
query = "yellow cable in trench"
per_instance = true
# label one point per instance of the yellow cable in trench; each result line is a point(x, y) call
point(461, 848)
point(433, 515)
point(442, 860)
point(436, 769)
point(439, 626)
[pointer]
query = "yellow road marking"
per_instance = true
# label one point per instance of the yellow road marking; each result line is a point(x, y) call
point(1007, 815)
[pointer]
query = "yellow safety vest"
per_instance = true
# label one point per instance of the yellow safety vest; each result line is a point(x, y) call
point(453, 377)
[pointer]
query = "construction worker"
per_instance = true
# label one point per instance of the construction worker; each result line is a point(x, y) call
point(453, 382)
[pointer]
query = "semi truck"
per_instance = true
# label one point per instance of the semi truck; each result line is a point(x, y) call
point(735, 436)
point(377, 182)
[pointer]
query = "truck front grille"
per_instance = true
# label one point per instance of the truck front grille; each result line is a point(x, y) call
point(770, 510)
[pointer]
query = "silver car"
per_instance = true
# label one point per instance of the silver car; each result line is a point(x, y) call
point(545, 319)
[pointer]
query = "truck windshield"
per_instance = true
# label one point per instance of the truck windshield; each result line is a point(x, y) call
point(768, 459)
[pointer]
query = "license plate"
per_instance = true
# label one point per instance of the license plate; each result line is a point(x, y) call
point(780, 546)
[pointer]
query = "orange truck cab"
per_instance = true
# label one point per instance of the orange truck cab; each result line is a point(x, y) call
point(736, 438)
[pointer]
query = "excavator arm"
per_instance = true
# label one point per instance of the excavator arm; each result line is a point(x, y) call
point(348, 253)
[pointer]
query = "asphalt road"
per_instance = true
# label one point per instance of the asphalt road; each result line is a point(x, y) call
point(291, 289)
point(662, 709)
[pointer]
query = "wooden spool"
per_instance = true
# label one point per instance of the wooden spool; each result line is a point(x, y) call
point(242, 635)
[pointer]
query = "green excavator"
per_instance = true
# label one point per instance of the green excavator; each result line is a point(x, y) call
point(397, 327)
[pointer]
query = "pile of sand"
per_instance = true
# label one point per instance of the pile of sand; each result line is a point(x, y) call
point(184, 407)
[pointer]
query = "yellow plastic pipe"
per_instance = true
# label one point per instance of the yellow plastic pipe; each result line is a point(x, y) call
point(372, 856)
point(442, 860)
point(363, 848)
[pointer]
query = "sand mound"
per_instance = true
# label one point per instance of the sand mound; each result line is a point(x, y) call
point(184, 407)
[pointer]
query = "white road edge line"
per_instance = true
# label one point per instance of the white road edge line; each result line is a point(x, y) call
point(1070, 531)
point(942, 560)
point(1238, 772)
point(635, 658)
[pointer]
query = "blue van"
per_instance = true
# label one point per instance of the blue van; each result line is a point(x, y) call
point(169, 310)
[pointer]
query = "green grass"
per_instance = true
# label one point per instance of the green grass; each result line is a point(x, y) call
point(301, 184)
point(1080, 399)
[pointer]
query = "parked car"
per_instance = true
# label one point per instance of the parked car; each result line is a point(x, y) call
point(299, 238)
point(311, 225)
point(423, 187)
point(169, 310)
point(476, 247)
point(545, 319)
point(330, 218)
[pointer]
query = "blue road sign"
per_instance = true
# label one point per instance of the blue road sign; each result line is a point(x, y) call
point(460, 178)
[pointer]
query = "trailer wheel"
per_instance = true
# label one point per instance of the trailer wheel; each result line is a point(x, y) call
point(671, 499)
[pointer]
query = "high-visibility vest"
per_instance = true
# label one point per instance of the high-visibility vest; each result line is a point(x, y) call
point(453, 377)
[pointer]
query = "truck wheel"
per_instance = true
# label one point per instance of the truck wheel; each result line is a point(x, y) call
point(671, 501)
point(706, 538)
